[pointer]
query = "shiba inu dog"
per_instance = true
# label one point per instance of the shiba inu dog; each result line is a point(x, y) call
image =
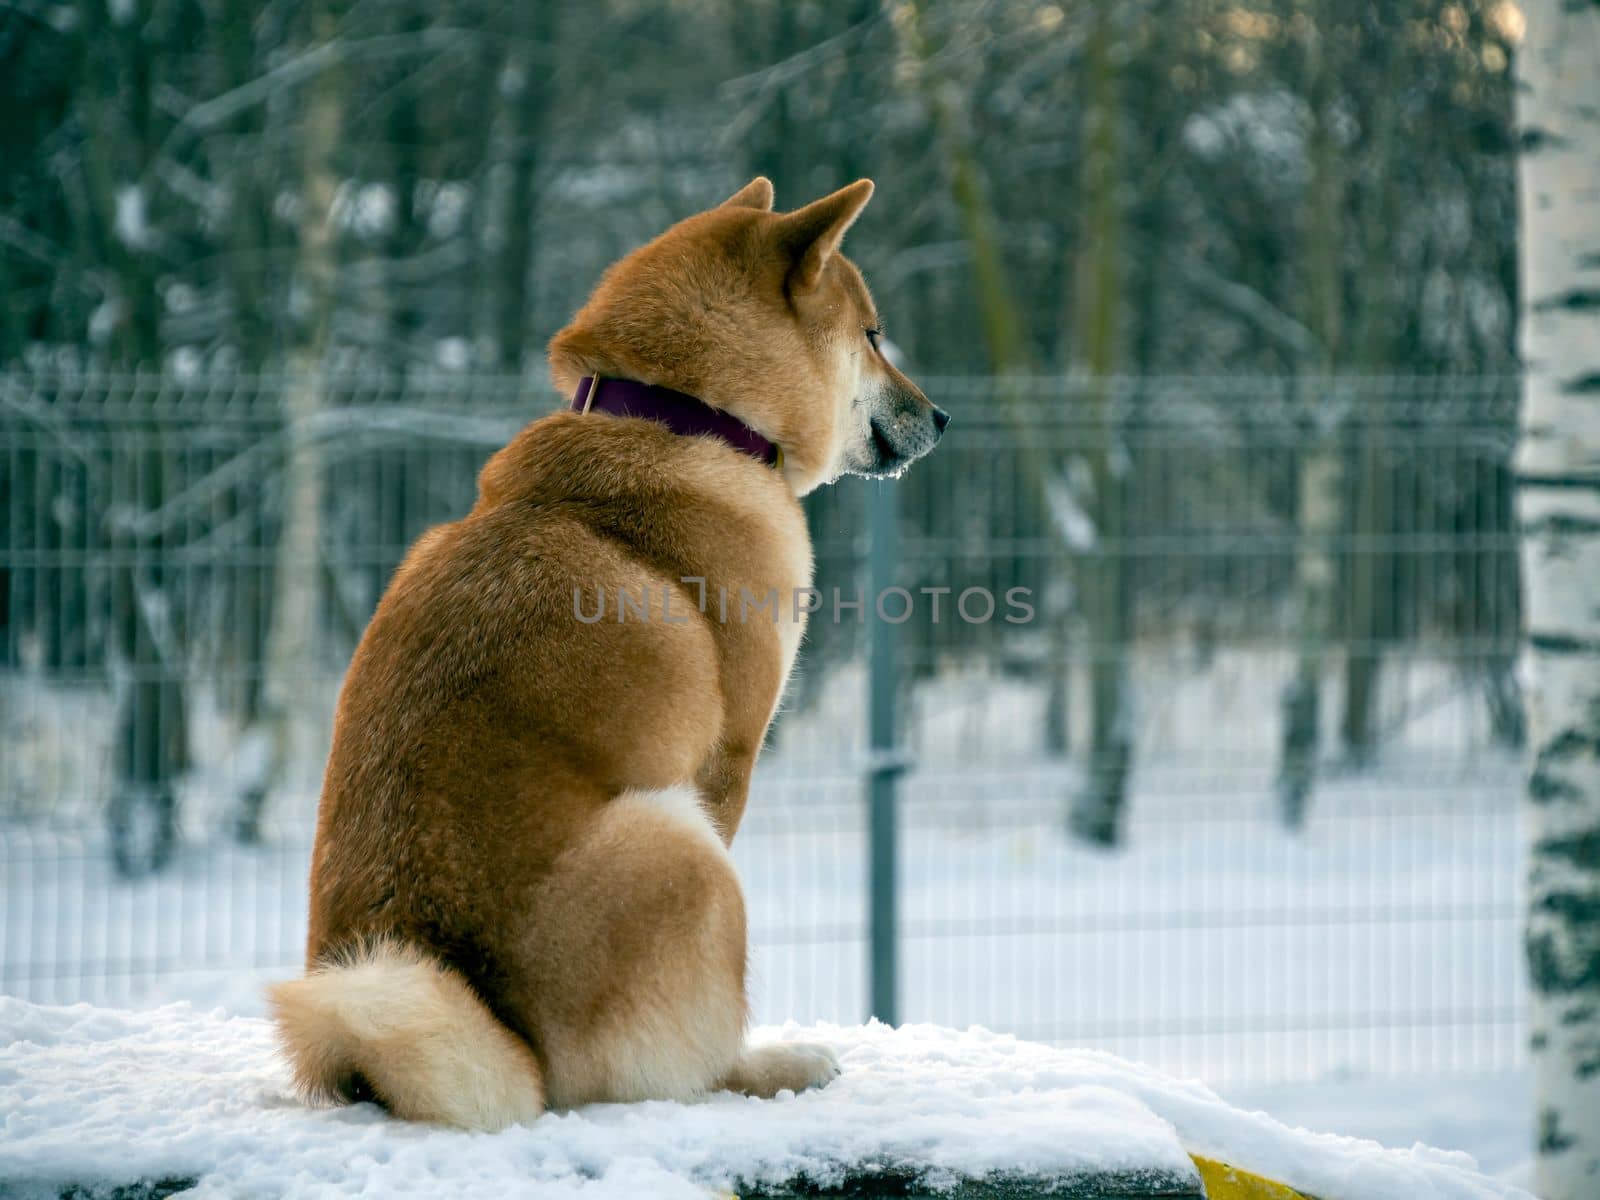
point(521, 894)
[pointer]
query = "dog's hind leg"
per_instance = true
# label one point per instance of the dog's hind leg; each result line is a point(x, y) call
point(632, 979)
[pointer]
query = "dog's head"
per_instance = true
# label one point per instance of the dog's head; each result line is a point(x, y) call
point(759, 314)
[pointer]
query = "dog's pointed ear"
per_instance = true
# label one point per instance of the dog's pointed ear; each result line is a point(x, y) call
point(755, 194)
point(812, 234)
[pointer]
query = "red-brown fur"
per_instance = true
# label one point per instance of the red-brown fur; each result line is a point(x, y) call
point(487, 809)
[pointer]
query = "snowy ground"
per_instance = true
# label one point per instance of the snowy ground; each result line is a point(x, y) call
point(1351, 980)
point(93, 1095)
point(1365, 977)
point(1489, 1116)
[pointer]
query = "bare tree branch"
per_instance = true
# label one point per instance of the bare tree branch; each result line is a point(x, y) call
point(1251, 305)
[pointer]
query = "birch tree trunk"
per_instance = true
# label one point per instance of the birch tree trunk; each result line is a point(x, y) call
point(1097, 809)
point(292, 634)
point(1558, 464)
point(1318, 507)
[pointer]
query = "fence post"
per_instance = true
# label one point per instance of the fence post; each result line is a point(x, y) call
point(884, 763)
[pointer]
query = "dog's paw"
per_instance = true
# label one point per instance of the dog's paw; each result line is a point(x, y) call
point(765, 1071)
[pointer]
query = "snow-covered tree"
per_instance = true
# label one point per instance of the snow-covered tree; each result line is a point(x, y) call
point(1558, 109)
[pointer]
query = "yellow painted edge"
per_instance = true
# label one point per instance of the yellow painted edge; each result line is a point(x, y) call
point(1223, 1182)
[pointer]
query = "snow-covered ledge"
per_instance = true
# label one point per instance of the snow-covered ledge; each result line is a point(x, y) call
point(94, 1097)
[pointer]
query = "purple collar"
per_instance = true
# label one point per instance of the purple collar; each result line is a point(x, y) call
point(679, 412)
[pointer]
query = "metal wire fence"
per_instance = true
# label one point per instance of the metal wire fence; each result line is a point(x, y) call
point(157, 793)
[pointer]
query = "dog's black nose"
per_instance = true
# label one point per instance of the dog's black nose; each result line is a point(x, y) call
point(940, 418)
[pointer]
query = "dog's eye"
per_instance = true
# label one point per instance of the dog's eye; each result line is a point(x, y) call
point(872, 336)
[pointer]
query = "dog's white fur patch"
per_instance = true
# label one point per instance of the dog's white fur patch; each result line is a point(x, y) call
point(681, 1035)
point(680, 804)
point(415, 1031)
point(853, 408)
point(680, 1048)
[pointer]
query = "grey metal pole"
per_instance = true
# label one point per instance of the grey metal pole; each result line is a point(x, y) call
point(885, 763)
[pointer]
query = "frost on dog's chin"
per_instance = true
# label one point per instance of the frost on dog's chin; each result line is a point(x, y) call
point(871, 465)
point(876, 471)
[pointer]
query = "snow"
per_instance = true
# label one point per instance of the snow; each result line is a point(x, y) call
point(1074, 525)
point(98, 1095)
point(1271, 125)
point(131, 224)
point(448, 210)
point(107, 315)
point(453, 353)
point(1490, 1113)
point(1365, 977)
point(371, 210)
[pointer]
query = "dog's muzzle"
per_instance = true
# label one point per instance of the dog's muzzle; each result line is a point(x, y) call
point(901, 434)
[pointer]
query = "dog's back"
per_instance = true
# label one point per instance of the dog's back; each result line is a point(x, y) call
point(470, 836)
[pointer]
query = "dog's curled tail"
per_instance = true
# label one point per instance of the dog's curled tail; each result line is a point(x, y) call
point(389, 1022)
